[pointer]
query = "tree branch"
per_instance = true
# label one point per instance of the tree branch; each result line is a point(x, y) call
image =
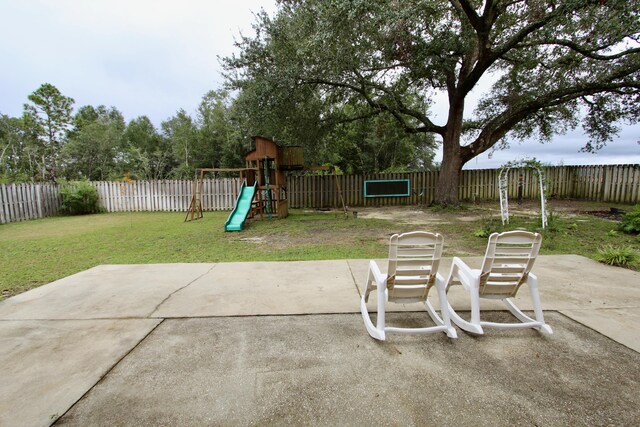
point(372, 113)
point(469, 11)
point(397, 110)
point(589, 53)
point(488, 56)
point(499, 126)
point(4, 150)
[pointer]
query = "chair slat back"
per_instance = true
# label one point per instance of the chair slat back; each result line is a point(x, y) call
point(414, 259)
point(507, 262)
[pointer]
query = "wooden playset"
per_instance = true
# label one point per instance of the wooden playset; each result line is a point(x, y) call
point(264, 189)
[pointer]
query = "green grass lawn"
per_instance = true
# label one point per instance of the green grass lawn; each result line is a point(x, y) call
point(36, 252)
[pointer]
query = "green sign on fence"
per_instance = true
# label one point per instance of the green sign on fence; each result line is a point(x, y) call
point(387, 188)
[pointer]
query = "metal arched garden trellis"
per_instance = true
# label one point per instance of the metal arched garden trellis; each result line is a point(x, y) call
point(503, 185)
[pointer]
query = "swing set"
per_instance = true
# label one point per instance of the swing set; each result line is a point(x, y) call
point(264, 180)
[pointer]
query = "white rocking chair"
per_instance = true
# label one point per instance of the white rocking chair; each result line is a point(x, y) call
point(413, 269)
point(507, 265)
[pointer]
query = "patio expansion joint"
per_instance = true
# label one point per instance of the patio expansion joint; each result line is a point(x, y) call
point(584, 325)
point(108, 371)
point(248, 316)
point(178, 290)
point(353, 277)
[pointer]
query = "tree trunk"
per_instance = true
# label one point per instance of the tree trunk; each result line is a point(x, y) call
point(452, 162)
point(449, 177)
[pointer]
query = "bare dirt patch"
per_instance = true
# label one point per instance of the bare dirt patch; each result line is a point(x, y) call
point(483, 210)
point(458, 225)
point(402, 214)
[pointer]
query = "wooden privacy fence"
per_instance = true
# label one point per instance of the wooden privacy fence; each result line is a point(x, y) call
point(20, 202)
point(166, 195)
point(616, 183)
point(611, 183)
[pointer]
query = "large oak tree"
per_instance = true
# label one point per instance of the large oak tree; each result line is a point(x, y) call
point(545, 66)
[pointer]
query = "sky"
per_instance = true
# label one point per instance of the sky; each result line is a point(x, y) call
point(145, 57)
point(154, 57)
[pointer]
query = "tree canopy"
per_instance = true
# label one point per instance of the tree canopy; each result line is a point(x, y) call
point(48, 117)
point(539, 67)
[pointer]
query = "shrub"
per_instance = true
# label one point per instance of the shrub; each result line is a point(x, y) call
point(489, 226)
point(554, 223)
point(483, 232)
point(79, 198)
point(631, 221)
point(621, 256)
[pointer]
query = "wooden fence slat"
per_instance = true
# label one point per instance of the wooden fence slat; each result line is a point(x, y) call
point(12, 203)
point(32, 202)
point(175, 196)
point(26, 192)
point(47, 200)
point(8, 203)
point(3, 218)
point(179, 194)
point(20, 202)
point(172, 196)
point(109, 197)
point(114, 194)
point(222, 192)
point(208, 195)
point(159, 197)
point(635, 184)
point(166, 188)
point(149, 196)
point(24, 202)
point(624, 190)
point(103, 195)
point(44, 201)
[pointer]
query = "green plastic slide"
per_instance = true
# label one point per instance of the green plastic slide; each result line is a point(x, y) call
point(239, 214)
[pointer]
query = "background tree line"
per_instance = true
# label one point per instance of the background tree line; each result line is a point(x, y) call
point(53, 141)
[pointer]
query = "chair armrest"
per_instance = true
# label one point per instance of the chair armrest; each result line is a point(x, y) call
point(532, 280)
point(379, 278)
point(439, 279)
point(463, 273)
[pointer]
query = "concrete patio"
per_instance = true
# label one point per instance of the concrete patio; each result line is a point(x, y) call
point(283, 343)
